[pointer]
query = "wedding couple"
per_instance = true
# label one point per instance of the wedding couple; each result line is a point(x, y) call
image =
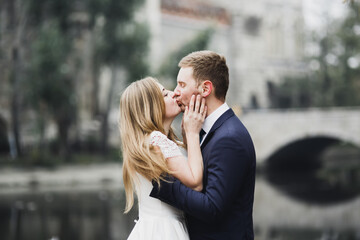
point(205, 192)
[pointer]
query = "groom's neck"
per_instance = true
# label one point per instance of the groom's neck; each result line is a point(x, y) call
point(212, 105)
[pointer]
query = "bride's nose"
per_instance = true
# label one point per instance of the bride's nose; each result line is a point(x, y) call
point(171, 94)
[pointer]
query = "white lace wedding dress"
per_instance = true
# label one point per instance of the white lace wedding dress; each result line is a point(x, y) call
point(158, 220)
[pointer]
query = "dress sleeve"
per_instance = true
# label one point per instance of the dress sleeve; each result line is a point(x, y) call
point(167, 147)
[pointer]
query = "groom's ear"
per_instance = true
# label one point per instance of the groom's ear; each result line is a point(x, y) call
point(206, 88)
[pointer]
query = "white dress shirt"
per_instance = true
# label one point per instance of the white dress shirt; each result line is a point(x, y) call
point(211, 119)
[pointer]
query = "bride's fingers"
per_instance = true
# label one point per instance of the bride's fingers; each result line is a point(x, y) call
point(203, 114)
point(202, 107)
point(197, 103)
point(192, 102)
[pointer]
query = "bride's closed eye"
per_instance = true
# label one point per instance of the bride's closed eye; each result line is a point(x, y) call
point(165, 93)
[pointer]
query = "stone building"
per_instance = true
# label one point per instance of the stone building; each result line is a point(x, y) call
point(263, 40)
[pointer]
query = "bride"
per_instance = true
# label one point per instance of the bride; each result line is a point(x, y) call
point(151, 151)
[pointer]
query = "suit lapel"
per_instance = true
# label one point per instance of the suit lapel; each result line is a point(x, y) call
point(226, 115)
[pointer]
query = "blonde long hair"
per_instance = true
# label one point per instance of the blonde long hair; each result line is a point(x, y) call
point(142, 111)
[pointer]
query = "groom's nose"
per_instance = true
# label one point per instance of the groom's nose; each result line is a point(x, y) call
point(176, 93)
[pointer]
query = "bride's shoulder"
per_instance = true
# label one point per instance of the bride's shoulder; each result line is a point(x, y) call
point(168, 148)
point(157, 136)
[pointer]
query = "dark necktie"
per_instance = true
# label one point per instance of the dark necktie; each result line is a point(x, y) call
point(202, 134)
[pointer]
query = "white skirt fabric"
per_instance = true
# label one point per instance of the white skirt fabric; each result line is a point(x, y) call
point(157, 220)
point(159, 228)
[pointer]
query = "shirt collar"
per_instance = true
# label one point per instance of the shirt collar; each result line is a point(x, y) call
point(211, 119)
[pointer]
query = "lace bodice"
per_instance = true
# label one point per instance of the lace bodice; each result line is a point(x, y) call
point(167, 147)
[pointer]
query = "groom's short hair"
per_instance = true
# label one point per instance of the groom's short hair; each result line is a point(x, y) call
point(208, 65)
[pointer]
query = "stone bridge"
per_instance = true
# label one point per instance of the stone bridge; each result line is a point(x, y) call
point(272, 130)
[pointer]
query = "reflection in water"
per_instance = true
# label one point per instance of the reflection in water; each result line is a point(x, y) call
point(276, 216)
point(310, 234)
point(318, 171)
point(65, 215)
point(309, 190)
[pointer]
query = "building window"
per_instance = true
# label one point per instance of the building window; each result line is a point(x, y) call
point(252, 25)
point(254, 102)
point(271, 91)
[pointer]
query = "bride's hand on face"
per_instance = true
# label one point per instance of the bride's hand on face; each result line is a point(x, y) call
point(183, 133)
point(194, 115)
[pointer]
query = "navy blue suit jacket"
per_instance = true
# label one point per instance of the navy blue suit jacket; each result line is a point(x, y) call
point(223, 209)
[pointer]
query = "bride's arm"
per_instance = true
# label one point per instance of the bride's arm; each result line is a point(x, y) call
point(190, 172)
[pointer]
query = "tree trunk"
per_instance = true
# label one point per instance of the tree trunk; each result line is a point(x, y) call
point(105, 114)
point(16, 25)
point(94, 65)
point(15, 103)
point(63, 138)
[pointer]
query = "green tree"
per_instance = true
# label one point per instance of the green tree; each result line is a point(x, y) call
point(12, 61)
point(339, 61)
point(336, 82)
point(52, 69)
point(51, 85)
point(347, 74)
point(41, 38)
point(119, 42)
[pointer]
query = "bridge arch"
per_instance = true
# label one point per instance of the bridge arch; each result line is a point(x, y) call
point(312, 141)
point(273, 129)
point(290, 149)
point(305, 171)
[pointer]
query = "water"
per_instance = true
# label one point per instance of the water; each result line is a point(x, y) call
point(75, 214)
point(321, 202)
point(98, 214)
point(309, 195)
point(279, 215)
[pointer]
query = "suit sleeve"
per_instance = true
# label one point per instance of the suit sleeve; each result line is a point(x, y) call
point(227, 168)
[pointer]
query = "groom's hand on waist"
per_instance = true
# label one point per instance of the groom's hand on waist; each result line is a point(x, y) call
point(164, 188)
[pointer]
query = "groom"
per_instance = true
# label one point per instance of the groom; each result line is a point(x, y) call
point(223, 209)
